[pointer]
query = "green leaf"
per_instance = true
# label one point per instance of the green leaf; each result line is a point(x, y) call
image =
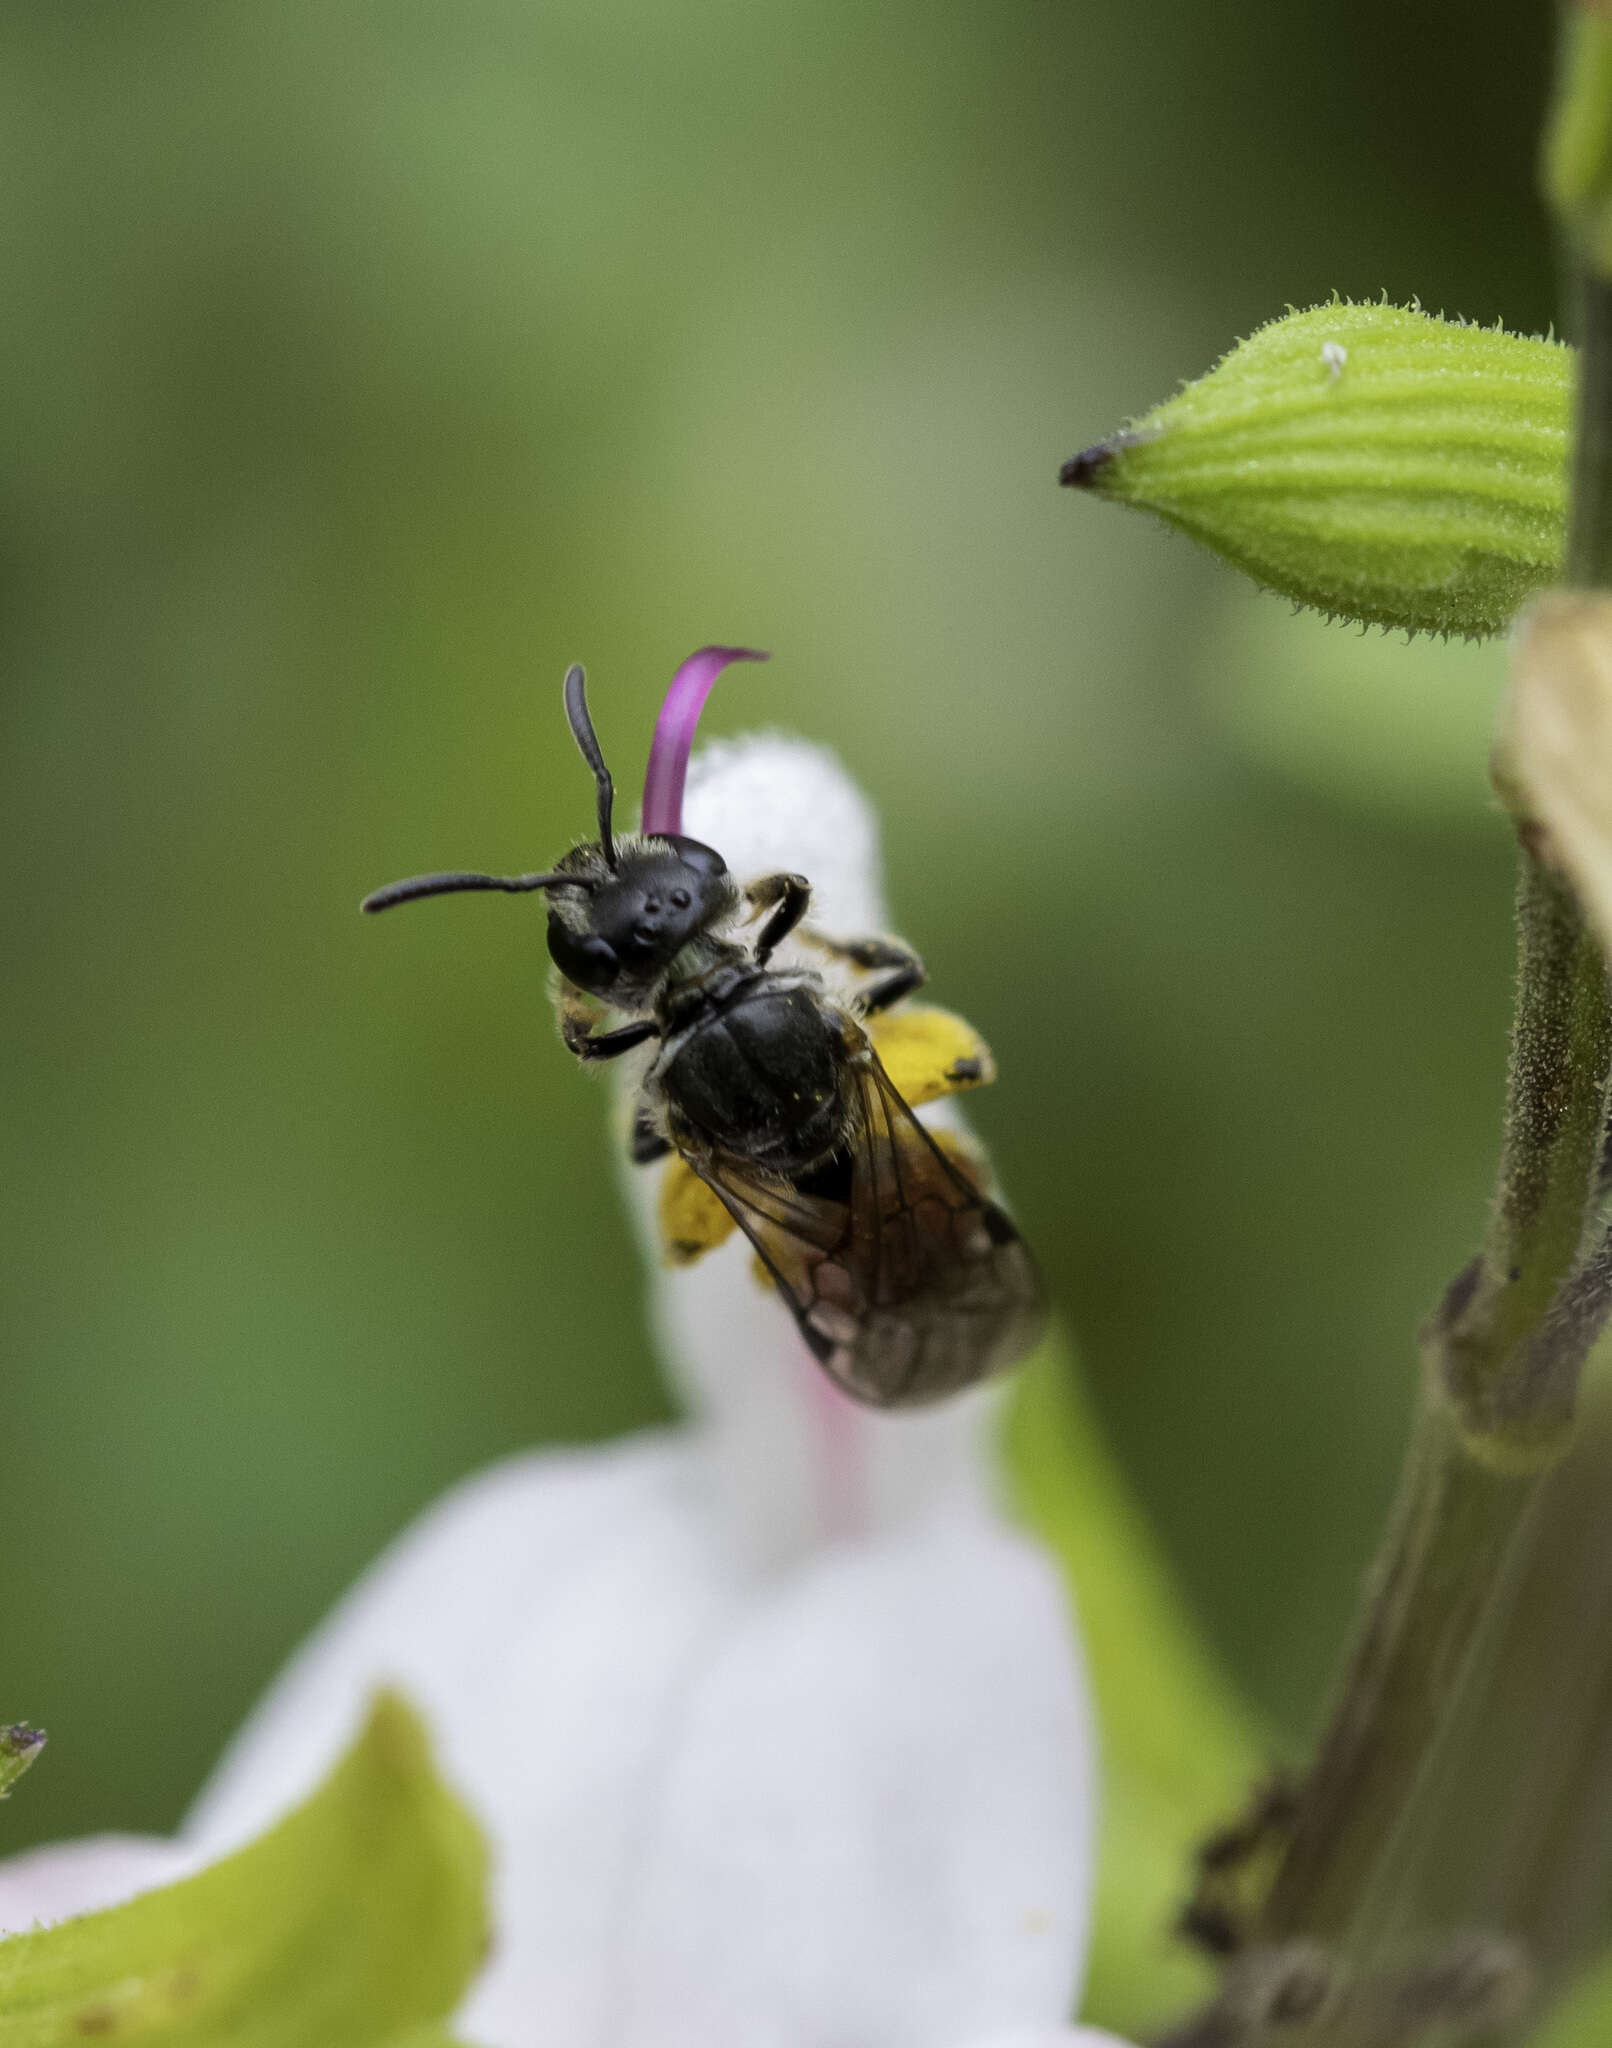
point(1178, 1750)
point(19, 1746)
point(359, 1917)
point(1372, 462)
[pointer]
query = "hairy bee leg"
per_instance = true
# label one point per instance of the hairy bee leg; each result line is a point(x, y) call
point(646, 1144)
point(907, 974)
point(610, 1045)
point(902, 983)
point(604, 1045)
point(578, 1013)
point(791, 893)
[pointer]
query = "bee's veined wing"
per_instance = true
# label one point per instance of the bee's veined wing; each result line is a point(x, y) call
point(907, 1282)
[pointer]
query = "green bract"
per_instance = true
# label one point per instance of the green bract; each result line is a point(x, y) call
point(1370, 461)
point(356, 1922)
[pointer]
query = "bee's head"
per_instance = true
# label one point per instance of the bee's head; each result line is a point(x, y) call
point(619, 912)
point(627, 924)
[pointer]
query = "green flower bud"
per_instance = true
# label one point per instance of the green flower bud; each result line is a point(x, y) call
point(1373, 462)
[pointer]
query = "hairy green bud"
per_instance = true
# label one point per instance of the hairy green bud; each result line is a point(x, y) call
point(1370, 461)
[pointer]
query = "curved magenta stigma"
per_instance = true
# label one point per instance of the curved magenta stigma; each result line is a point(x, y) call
point(674, 734)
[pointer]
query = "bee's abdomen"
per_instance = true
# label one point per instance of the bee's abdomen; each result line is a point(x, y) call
point(761, 1078)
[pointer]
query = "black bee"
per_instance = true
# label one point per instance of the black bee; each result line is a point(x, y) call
point(906, 1280)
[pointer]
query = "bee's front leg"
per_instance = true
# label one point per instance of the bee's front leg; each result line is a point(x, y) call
point(577, 1016)
point(905, 970)
point(608, 1045)
point(791, 894)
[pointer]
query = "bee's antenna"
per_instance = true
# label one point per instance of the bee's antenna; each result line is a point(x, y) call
point(445, 885)
point(576, 710)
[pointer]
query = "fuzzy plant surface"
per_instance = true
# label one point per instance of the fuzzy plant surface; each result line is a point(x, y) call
point(1370, 461)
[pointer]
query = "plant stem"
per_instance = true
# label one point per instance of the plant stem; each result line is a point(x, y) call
point(1452, 1523)
point(1507, 1345)
point(1502, 1360)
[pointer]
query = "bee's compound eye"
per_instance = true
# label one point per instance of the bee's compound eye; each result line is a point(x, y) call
point(583, 957)
point(694, 853)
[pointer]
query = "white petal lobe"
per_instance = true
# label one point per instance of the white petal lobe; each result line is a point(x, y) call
point(545, 1617)
point(729, 1809)
point(876, 1827)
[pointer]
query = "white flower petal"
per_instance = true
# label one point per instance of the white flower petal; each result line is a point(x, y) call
point(1052, 2037)
point(545, 1618)
point(799, 1463)
point(41, 1886)
point(769, 802)
point(876, 1825)
point(847, 1804)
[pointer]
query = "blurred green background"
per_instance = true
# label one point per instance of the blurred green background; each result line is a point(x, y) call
point(363, 365)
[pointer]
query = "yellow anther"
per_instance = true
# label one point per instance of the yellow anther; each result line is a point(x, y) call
point(692, 1221)
point(929, 1052)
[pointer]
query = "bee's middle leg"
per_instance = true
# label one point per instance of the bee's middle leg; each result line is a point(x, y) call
point(900, 969)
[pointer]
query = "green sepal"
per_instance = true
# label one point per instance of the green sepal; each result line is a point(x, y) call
point(19, 1746)
point(1370, 461)
point(357, 1921)
point(1178, 1751)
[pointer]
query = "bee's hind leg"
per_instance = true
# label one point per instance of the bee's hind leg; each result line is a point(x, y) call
point(646, 1144)
point(903, 971)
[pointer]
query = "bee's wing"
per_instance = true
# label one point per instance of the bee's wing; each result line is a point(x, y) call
point(906, 1281)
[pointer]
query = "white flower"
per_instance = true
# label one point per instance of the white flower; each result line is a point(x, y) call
point(777, 1729)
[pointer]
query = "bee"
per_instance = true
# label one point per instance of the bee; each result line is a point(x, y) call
point(907, 1282)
